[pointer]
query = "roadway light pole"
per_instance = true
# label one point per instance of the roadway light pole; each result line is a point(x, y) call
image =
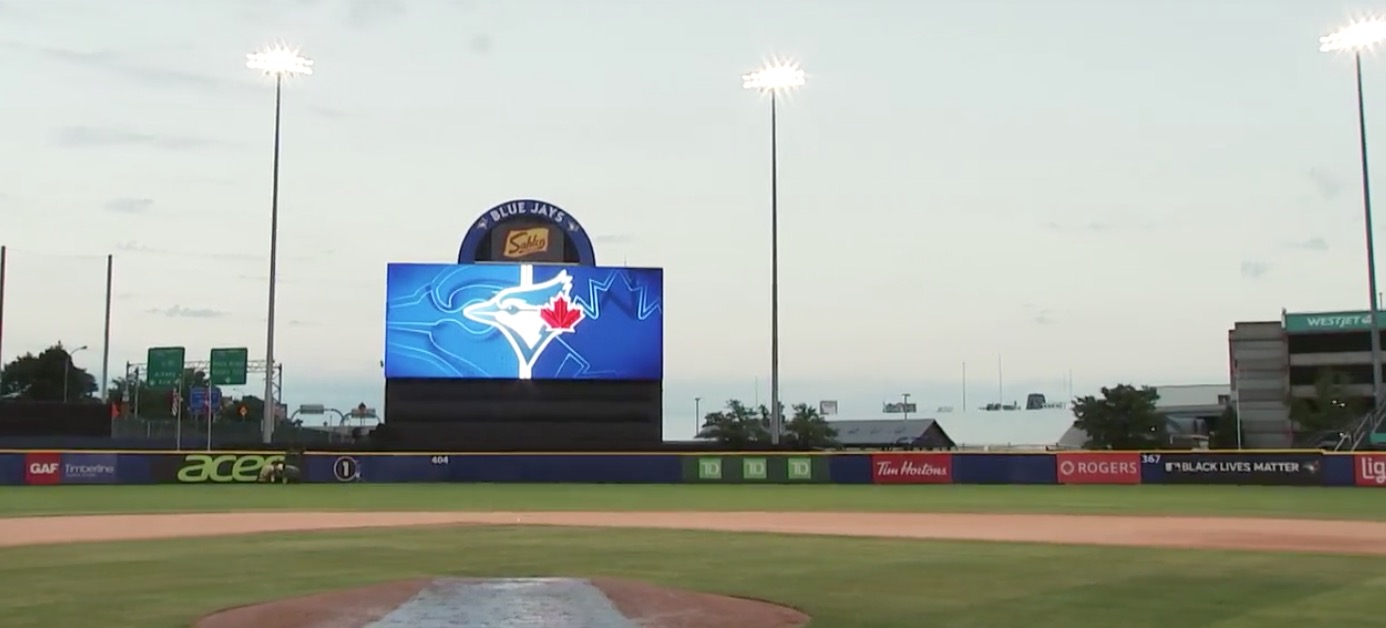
point(773, 79)
point(279, 62)
point(67, 368)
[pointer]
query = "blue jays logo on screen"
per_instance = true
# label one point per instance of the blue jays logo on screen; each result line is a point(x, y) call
point(524, 321)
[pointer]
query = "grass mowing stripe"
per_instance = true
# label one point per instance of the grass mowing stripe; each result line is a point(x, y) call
point(1292, 502)
point(841, 582)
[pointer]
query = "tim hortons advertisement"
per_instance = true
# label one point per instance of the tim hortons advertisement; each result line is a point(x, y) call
point(1092, 467)
point(1275, 469)
point(43, 468)
point(912, 468)
point(1369, 470)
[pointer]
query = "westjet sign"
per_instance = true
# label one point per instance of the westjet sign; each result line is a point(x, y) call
point(1328, 322)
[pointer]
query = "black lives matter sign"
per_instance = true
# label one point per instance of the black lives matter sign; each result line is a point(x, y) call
point(1263, 469)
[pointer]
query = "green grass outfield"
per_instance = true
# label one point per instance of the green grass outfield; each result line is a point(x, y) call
point(840, 581)
point(1250, 501)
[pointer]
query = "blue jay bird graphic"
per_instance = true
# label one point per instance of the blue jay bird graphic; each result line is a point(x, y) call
point(529, 316)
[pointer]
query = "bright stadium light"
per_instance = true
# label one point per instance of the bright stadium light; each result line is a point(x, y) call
point(773, 78)
point(278, 61)
point(1360, 35)
point(1363, 35)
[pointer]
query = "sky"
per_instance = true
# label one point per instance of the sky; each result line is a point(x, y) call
point(1031, 189)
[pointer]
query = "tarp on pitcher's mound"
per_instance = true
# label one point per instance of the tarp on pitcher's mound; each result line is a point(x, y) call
point(500, 603)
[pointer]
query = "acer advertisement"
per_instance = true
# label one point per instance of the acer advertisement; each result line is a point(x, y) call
point(1098, 467)
point(1369, 470)
point(923, 468)
point(524, 321)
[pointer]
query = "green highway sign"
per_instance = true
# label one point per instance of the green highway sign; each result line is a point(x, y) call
point(163, 367)
point(229, 367)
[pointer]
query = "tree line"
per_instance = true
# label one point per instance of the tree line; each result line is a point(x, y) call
point(51, 376)
point(1125, 417)
point(1120, 417)
point(739, 425)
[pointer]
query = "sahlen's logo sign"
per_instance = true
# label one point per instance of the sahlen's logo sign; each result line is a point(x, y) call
point(521, 243)
point(224, 468)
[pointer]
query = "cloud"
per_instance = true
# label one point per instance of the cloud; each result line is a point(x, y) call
point(1043, 317)
point(131, 246)
point(1328, 186)
point(1254, 269)
point(326, 112)
point(129, 205)
point(369, 12)
point(281, 279)
point(481, 44)
point(88, 136)
point(299, 323)
point(178, 311)
point(120, 65)
point(1101, 226)
point(619, 238)
point(1312, 244)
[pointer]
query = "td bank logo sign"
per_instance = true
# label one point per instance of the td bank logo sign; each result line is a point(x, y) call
point(754, 469)
point(224, 468)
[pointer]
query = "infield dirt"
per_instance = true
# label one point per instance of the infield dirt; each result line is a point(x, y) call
point(1335, 537)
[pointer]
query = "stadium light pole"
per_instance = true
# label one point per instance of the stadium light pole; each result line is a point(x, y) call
point(1359, 36)
point(773, 78)
point(279, 62)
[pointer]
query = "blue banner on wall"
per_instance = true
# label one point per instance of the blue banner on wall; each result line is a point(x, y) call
point(1241, 467)
point(90, 468)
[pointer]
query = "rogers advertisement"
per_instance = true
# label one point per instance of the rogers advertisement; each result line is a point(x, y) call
point(1091, 467)
point(1369, 470)
point(912, 468)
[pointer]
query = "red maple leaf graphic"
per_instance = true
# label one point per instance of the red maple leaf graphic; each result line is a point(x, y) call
point(559, 317)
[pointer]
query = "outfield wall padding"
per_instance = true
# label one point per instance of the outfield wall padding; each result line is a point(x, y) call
point(849, 469)
point(1003, 469)
point(11, 469)
point(1338, 470)
point(590, 469)
point(1252, 467)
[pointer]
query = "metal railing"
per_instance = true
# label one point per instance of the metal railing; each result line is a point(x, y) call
point(1361, 431)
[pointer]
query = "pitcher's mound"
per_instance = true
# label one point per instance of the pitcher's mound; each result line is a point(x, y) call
point(503, 603)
